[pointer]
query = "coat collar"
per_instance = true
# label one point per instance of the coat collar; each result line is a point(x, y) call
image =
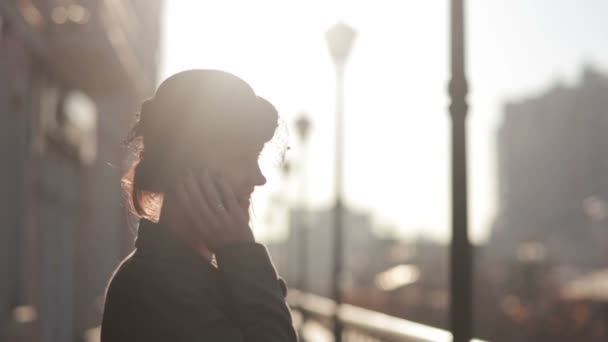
point(154, 240)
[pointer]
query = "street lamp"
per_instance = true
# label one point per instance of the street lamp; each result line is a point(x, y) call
point(283, 257)
point(461, 311)
point(339, 40)
point(303, 129)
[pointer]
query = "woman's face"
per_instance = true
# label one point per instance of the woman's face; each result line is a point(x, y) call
point(238, 166)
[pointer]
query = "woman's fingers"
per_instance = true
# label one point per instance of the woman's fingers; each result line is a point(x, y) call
point(215, 201)
point(210, 192)
point(239, 222)
point(184, 199)
point(200, 204)
point(215, 211)
point(230, 198)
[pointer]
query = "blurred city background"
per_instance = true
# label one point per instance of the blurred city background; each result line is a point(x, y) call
point(73, 73)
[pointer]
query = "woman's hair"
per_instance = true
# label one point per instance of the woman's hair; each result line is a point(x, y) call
point(190, 108)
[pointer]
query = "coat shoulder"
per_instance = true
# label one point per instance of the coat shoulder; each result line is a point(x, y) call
point(144, 281)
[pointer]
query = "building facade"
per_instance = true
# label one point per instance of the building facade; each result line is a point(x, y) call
point(551, 231)
point(553, 176)
point(71, 76)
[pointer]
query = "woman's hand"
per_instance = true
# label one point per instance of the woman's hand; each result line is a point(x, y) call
point(213, 210)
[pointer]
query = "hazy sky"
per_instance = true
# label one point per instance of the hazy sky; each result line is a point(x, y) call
point(397, 124)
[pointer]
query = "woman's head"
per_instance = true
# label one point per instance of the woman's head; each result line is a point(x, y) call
point(198, 119)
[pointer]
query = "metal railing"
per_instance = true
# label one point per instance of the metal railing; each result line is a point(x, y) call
point(362, 324)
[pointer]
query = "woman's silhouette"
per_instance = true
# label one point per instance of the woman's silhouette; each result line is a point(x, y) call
point(197, 273)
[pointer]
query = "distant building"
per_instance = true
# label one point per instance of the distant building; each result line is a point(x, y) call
point(71, 76)
point(553, 176)
point(361, 251)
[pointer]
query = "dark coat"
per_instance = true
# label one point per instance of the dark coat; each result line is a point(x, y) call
point(164, 291)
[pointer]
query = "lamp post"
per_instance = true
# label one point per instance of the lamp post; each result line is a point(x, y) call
point(339, 40)
point(283, 257)
point(303, 130)
point(461, 311)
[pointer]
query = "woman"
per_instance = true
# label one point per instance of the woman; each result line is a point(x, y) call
point(197, 273)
